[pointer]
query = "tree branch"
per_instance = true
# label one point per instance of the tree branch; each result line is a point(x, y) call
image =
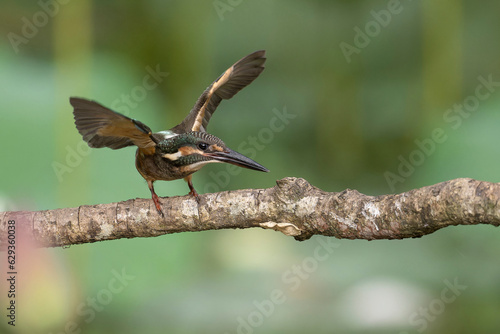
point(293, 207)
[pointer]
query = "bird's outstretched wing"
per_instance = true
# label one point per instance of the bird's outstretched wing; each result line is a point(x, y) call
point(103, 127)
point(234, 79)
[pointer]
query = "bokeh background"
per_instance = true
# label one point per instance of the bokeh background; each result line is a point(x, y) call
point(364, 82)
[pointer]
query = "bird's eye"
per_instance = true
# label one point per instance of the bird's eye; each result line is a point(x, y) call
point(203, 146)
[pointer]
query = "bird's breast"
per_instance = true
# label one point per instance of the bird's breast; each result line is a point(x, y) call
point(155, 167)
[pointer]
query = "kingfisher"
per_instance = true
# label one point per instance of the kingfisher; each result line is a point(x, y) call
point(184, 149)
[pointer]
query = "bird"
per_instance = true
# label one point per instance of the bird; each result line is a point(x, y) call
point(184, 149)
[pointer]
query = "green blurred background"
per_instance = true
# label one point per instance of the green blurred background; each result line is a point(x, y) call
point(365, 81)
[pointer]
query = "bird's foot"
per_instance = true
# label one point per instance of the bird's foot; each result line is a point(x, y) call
point(192, 191)
point(156, 200)
point(195, 195)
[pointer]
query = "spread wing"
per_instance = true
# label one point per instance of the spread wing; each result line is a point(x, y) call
point(102, 127)
point(234, 79)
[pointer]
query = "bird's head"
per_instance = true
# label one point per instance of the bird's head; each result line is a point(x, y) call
point(193, 150)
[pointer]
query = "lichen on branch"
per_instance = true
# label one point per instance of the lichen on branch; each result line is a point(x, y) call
point(292, 207)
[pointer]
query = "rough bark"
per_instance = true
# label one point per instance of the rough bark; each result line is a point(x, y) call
point(293, 207)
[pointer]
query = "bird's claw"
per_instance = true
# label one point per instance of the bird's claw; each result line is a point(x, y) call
point(156, 200)
point(195, 195)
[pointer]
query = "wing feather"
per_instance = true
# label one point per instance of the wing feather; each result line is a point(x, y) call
point(234, 79)
point(103, 127)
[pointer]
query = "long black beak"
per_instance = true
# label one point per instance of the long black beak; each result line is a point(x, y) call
point(235, 158)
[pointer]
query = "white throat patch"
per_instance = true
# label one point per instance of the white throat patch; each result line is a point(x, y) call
point(173, 156)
